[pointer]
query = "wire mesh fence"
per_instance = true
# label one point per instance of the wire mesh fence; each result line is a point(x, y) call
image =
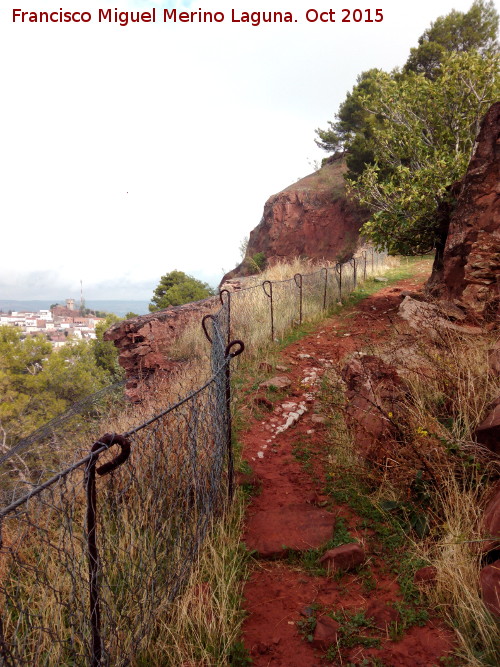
point(267, 310)
point(89, 563)
point(92, 556)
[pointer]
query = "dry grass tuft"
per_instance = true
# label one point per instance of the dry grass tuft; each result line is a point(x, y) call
point(204, 622)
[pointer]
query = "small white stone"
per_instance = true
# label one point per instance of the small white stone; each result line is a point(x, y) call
point(260, 455)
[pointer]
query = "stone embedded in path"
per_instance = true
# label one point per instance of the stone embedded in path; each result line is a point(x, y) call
point(292, 418)
point(318, 419)
point(345, 557)
point(325, 633)
point(490, 587)
point(280, 382)
point(299, 527)
point(381, 614)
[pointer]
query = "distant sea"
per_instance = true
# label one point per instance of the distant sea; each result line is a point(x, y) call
point(118, 307)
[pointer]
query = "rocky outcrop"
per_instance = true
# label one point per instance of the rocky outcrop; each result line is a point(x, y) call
point(490, 527)
point(312, 218)
point(373, 393)
point(488, 431)
point(144, 343)
point(469, 271)
point(490, 587)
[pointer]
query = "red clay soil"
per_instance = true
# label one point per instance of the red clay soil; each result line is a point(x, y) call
point(289, 512)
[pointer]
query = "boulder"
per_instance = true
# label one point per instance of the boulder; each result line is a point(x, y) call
point(490, 587)
point(449, 310)
point(494, 358)
point(346, 557)
point(145, 343)
point(467, 271)
point(491, 522)
point(488, 431)
point(373, 391)
point(280, 382)
point(430, 317)
point(325, 633)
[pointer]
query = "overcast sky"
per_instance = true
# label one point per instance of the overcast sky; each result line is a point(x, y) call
point(127, 152)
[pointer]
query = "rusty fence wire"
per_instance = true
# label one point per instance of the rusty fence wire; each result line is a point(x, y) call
point(265, 311)
point(91, 558)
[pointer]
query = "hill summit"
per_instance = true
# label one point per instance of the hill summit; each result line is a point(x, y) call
point(313, 219)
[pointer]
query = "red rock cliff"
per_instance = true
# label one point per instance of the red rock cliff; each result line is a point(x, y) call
point(311, 218)
point(469, 272)
point(144, 343)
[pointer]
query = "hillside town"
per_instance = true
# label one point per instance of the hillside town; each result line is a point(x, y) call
point(61, 324)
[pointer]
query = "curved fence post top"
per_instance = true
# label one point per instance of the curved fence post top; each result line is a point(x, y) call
point(264, 287)
point(298, 279)
point(229, 346)
point(204, 326)
point(108, 440)
point(225, 291)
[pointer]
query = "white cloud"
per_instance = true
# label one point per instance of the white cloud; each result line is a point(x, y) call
point(130, 151)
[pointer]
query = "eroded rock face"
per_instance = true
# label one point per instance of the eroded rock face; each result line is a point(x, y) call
point(145, 342)
point(491, 522)
point(488, 431)
point(490, 587)
point(373, 391)
point(311, 218)
point(469, 273)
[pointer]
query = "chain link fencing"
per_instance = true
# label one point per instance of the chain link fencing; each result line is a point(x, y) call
point(91, 559)
point(264, 312)
point(92, 556)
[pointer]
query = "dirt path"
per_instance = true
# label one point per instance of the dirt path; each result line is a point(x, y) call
point(289, 600)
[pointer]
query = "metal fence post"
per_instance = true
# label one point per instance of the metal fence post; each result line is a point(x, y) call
point(338, 271)
point(363, 255)
point(298, 281)
point(229, 441)
point(93, 553)
point(325, 269)
point(270, 295)
point(226, 291)
point(353, 262)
